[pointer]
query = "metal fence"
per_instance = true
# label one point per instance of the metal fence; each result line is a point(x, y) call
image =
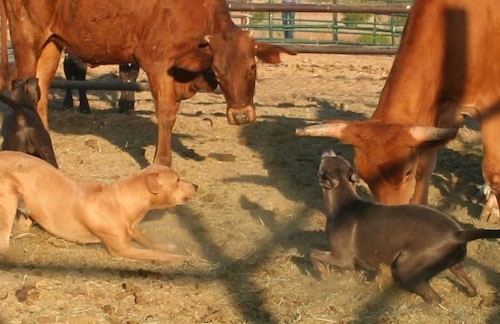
point(360, 26)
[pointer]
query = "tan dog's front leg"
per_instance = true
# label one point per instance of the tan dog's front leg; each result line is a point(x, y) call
point(125, 249)
point(8, 207)
point(144, 241)
point(144, 254)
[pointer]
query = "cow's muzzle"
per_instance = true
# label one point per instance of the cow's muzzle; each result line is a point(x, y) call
point(239, 116)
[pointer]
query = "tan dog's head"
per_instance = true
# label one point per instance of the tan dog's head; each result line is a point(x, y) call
point(167, 188)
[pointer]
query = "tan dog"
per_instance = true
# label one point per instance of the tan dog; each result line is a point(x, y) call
point(87, 211)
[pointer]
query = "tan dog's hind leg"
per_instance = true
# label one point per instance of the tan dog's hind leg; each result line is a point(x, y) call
point(8, 207)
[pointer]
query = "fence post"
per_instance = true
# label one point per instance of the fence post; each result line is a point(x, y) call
point(271, 23)
point(335, 30)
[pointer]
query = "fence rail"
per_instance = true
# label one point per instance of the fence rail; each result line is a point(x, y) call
point(338, 34)
point(333, 8)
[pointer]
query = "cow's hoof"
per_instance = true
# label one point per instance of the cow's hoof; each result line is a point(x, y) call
point(125, 106)
point(67, 104)
point(84, 110)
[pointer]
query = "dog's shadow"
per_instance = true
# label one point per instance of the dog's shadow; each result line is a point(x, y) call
point(306, 267)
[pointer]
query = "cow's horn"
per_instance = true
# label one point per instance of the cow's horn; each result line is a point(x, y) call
point(322, 130)
point(426, 133)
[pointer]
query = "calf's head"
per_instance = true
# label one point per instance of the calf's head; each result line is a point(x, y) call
point(386, 155)
point(231, 55)
point(26, 91)
point(337, 179)
point(333, 170)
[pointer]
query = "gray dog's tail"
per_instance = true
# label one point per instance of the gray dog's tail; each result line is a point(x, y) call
point(471, 235)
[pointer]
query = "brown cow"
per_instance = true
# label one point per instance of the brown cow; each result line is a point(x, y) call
point(447, 67)
point(166, 36)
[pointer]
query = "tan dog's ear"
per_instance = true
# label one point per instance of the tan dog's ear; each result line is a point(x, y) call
point(153, 184)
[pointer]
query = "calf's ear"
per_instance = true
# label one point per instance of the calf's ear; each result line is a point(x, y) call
point(195, 61)
point(268, 53)
point(153, 184)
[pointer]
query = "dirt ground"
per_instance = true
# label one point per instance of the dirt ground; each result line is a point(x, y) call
point(250, 227)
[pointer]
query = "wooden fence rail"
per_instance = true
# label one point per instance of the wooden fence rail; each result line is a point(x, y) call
point(100, 85)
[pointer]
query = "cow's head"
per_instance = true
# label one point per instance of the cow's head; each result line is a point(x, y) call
point(386, 155)
point(231, 56)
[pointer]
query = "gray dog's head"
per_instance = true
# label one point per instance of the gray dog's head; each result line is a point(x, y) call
point(333, 169)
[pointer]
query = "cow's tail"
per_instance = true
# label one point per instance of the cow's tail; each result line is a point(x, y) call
point(471, 235)
point(4, 56)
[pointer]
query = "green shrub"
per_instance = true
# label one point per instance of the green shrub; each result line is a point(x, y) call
point(376, 39)
point(353, 19)
point(259, 18)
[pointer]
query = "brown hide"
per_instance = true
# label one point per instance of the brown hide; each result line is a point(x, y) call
point(156, 34)
point(447, 67)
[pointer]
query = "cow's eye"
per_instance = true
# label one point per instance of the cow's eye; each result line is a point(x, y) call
point(218, 71)
point(407, 175)
point(252, 71)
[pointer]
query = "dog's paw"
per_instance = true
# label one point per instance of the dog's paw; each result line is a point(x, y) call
point(319, 274)
point(168, 258)
point(170, 247)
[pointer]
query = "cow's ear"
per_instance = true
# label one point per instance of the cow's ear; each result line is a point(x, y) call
point(268, 53)
point(195, 61)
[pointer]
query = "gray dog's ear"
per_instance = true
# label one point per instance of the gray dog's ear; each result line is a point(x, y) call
point(328, 153)
point(153, 184)
point(354, 177)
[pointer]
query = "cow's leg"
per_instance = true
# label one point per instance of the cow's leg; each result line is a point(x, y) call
point(491, 158)
point(46, 69)
point(163, 92)
point(128, 73)
point(26, 49)
point(490, 209)
point(69, 73)
point(83, 107)
point(75, 70)
point(426, 164)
